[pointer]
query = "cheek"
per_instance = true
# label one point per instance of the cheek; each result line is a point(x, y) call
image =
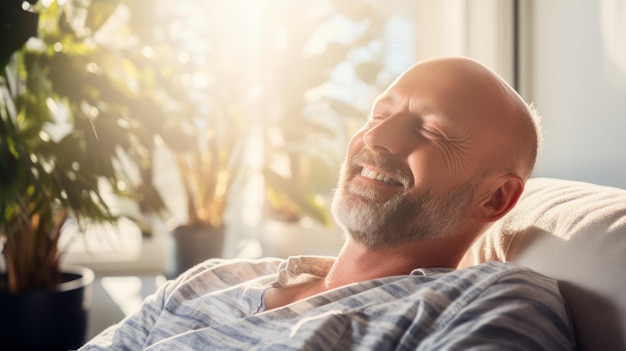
point(425, 167)
point(430, 170)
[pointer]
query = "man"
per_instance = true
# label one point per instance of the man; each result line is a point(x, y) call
point(445, 152)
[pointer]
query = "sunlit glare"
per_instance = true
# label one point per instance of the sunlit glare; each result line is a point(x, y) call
point(227, 87)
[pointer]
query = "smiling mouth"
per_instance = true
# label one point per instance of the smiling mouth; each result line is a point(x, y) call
point(371, 174)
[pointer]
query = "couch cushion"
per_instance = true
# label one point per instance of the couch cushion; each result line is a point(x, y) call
point(574, 232)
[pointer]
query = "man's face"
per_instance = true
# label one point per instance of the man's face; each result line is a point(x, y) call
point(411, 172)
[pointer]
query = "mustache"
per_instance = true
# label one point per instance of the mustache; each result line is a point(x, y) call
point(396, 170)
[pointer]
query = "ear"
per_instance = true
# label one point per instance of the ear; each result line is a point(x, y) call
point(501, 199)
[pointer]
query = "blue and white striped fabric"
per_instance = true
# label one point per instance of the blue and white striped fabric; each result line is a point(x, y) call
point(218, 305)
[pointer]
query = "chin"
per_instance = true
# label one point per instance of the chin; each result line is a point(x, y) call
point(369, 222)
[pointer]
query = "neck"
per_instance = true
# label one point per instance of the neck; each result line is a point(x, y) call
point(357, 263)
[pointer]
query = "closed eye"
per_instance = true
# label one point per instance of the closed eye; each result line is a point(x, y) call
point(429, 133)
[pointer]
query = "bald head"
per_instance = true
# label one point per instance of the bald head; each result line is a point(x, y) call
point(473, 92)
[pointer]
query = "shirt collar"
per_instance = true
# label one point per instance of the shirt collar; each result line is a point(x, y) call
point(301, 269)
point(431, 271)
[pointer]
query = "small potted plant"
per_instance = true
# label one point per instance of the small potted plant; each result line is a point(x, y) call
point(208, 157)
point(258, 89)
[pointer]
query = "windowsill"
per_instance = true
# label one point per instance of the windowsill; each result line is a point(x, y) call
point(119, 250)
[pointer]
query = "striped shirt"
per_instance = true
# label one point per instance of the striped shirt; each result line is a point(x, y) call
point(218, 305)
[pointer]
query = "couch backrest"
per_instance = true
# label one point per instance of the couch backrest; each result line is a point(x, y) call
point(574, 232)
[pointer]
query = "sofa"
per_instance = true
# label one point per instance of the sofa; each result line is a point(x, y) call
point(574, 232)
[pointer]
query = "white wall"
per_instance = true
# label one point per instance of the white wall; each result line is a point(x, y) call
point(577, 80)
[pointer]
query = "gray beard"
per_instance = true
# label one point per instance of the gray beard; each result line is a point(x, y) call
point(399, 220)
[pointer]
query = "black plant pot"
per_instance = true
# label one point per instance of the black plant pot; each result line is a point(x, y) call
point(54, 319)
point(194, 244)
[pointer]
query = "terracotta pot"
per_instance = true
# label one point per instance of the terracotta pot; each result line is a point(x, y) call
point(195, 244)
point(54, 319)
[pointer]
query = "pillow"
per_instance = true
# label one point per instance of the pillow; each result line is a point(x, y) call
point(574, 232)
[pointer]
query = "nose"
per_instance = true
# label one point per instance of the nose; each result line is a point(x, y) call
point(390, 135)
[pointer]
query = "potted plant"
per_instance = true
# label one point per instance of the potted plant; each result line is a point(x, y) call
point(64, 122)
point(257, 89)
point(208, 156)
point(212, 148)
point(44, 179)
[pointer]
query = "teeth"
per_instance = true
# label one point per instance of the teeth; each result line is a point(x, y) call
point(368, 173)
